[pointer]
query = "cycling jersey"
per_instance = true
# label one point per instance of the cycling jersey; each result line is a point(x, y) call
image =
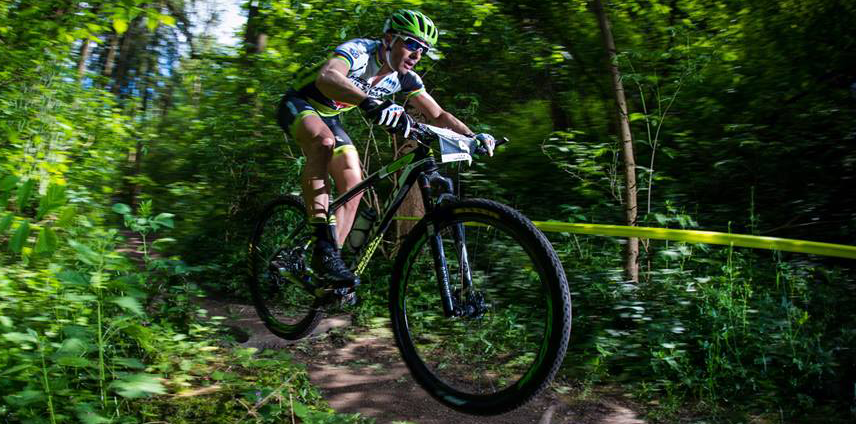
point(363, 58)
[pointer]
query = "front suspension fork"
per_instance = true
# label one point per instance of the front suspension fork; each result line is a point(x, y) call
point(451, 306)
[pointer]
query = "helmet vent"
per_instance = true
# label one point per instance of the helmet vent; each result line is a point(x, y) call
point(421, 24)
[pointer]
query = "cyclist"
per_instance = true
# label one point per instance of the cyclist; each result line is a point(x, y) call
point(359, 73)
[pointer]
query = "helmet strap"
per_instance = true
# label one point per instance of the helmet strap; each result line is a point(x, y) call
point(386, 50)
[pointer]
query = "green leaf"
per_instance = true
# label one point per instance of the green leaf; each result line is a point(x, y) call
point(132, 363)
point(16, 368)
point(16, 243)
point(73, 361)
point(8, 183)
point(25, 191)
point(164, 220)
point(66, 216)
point(72, 346)
point(167, 20)
point(6, 222)
point(138, 385)
point(73, 278)
point(25, 397)
point(122, 209)
point(87, 415)
point(301, 410)
point(129, 303)
point(120, 25)
point(16, 337)
point(636, 116)
point(47, 241)
point(152, 22)
point(54, 198)
point(84, 253)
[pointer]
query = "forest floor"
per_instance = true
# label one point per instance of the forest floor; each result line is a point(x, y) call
point(359, 370)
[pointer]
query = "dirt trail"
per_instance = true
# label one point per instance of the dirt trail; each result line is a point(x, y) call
point(359, 370)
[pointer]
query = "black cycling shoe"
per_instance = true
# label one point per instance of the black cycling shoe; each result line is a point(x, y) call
point(331, 269)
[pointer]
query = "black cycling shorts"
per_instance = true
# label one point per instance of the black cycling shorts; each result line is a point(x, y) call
point(293, 109)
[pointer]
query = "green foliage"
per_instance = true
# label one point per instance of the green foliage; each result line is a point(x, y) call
point(712, 327)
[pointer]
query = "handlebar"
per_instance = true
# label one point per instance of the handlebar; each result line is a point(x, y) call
point(420, 132)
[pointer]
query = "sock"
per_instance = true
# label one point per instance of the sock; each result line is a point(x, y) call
point(323, 232)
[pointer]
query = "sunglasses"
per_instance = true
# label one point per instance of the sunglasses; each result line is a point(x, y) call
point(413, 44)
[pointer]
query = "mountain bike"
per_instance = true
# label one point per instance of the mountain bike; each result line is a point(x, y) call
point(478, 301)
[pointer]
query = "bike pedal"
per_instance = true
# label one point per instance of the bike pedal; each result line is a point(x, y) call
point(337, 298)
point(349, 299)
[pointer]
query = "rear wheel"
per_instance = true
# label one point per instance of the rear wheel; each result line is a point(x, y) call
point(278, 257)
point(509, 336)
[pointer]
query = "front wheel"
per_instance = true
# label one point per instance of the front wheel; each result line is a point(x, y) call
point(507, 336)
point(279, 283)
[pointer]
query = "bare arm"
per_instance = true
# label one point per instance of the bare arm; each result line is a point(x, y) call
point(333, 82)
point(426, 105)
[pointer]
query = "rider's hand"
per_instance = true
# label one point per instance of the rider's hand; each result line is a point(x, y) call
point(382, 112)
point(405, 124)
point(487, 141)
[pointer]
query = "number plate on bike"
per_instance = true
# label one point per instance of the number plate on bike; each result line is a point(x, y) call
point(453, 146)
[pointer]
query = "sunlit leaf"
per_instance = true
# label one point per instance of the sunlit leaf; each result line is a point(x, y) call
point(138, 385)
point(16, 337)
point(167, 20)
point(121, 209)
point(164, 220)
point(120, 25)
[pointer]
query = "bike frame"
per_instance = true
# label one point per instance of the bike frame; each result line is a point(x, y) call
point(419, 167)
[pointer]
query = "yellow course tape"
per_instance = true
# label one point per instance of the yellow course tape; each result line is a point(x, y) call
point(694, 236)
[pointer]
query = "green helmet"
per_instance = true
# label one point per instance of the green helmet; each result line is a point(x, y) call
point(413, 23)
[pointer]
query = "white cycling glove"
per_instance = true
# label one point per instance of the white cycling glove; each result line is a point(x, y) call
point(487, 141)
point(382, 112)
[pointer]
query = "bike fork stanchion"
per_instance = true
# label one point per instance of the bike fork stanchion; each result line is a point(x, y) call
point(437, 251)
point(448, 193)
point(464, 258)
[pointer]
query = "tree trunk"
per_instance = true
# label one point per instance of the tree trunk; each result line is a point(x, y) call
point(85, 49)
point(110, 61)
point(631, 266)
point(255, 42)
